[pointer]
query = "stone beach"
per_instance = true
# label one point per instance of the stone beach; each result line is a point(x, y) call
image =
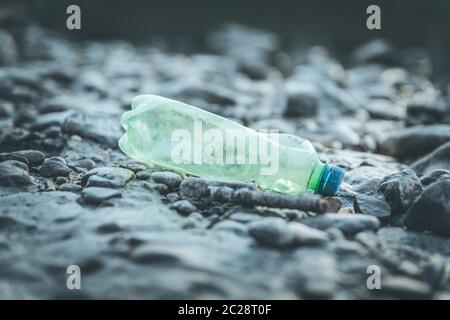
point(69, 196)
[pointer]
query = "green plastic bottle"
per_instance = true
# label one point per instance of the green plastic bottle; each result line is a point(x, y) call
point(186, 139)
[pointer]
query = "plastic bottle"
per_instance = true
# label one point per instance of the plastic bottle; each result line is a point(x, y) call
point(186, 139)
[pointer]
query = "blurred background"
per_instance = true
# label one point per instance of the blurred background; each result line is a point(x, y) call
point(338, 25)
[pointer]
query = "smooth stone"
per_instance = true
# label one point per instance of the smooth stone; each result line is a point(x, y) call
point(183, 207)
point(107, 177)
point(231, 226)
point(96, 195)
point(428, 112)
point(406, 288)
point(170, 179)
point(276, 232)
point(348, 223)
point(70, 187)
point(34, 157)
point(302, 100)
point(433, 176)
point(87, 164)
point(437, 159)
point(401, 189)
point(12, 156)
point(13, 176)
point(17, 164)
point(244, 217)
point(414, 142)
point(105, 129)
point(304, 235)
point(371, 205)
point(143, 175)
point(431, 210)
point(107, 228)
point(53, 169)
point(383, 109)
point(271, 232)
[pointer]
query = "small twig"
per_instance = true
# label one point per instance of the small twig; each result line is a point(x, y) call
point(251, 198)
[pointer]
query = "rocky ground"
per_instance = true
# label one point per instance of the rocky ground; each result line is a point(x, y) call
point(69, 196)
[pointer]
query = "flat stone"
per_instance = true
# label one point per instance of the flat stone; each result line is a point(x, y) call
point(70, 187)
point(272, 232)
point(401, 189)
point(433, 176)
point(183, 206)
point(95, 195)
point(372, 205)
point(53, 169)
point(34, 157)
point(437, 159)
point(107, 177)
point(348, 223)
point(414, 141)
point(431, 210)
point(13, 176)
point(406, 288)
point(170, 179)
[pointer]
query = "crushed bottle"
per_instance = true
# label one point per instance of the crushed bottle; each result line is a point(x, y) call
point(186, 139)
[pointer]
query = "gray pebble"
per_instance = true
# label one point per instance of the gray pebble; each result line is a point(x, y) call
point(53, 169)
point(95, 195)
point(348, 223)
point(170, 179)
point(431, 210)
point(183, 207)
point(34, 157)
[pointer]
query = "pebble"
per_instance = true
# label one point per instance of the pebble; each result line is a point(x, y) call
point(172, 197)
point(17, 164)
point(231, 226)
point(414, 142)
point(170, 179)
point(107, 177)
point(431, 210)
point(302, 100)
point(70, 187)
point(349, 224)
point(104, 130)
point(406, 288)
point(433, 176)
point(34, 157)
point(87, 164)
point(437, 159)
point(97, 196)
point(372, 205)
point(108, 228)
point(272, 232)
point(53, 169)
point(183, 206)
point(11, 156)
point(401, 189)
point(276, 232)
point(143, 175)
point(13, 176)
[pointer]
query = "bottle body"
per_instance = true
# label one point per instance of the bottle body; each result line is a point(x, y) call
point(187, 139)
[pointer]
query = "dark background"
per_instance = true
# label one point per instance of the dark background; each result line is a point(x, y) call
point(339, 25)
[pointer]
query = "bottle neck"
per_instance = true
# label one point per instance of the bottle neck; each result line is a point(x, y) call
point(316, 175)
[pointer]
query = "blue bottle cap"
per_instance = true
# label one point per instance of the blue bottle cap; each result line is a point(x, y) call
point(331, 180)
